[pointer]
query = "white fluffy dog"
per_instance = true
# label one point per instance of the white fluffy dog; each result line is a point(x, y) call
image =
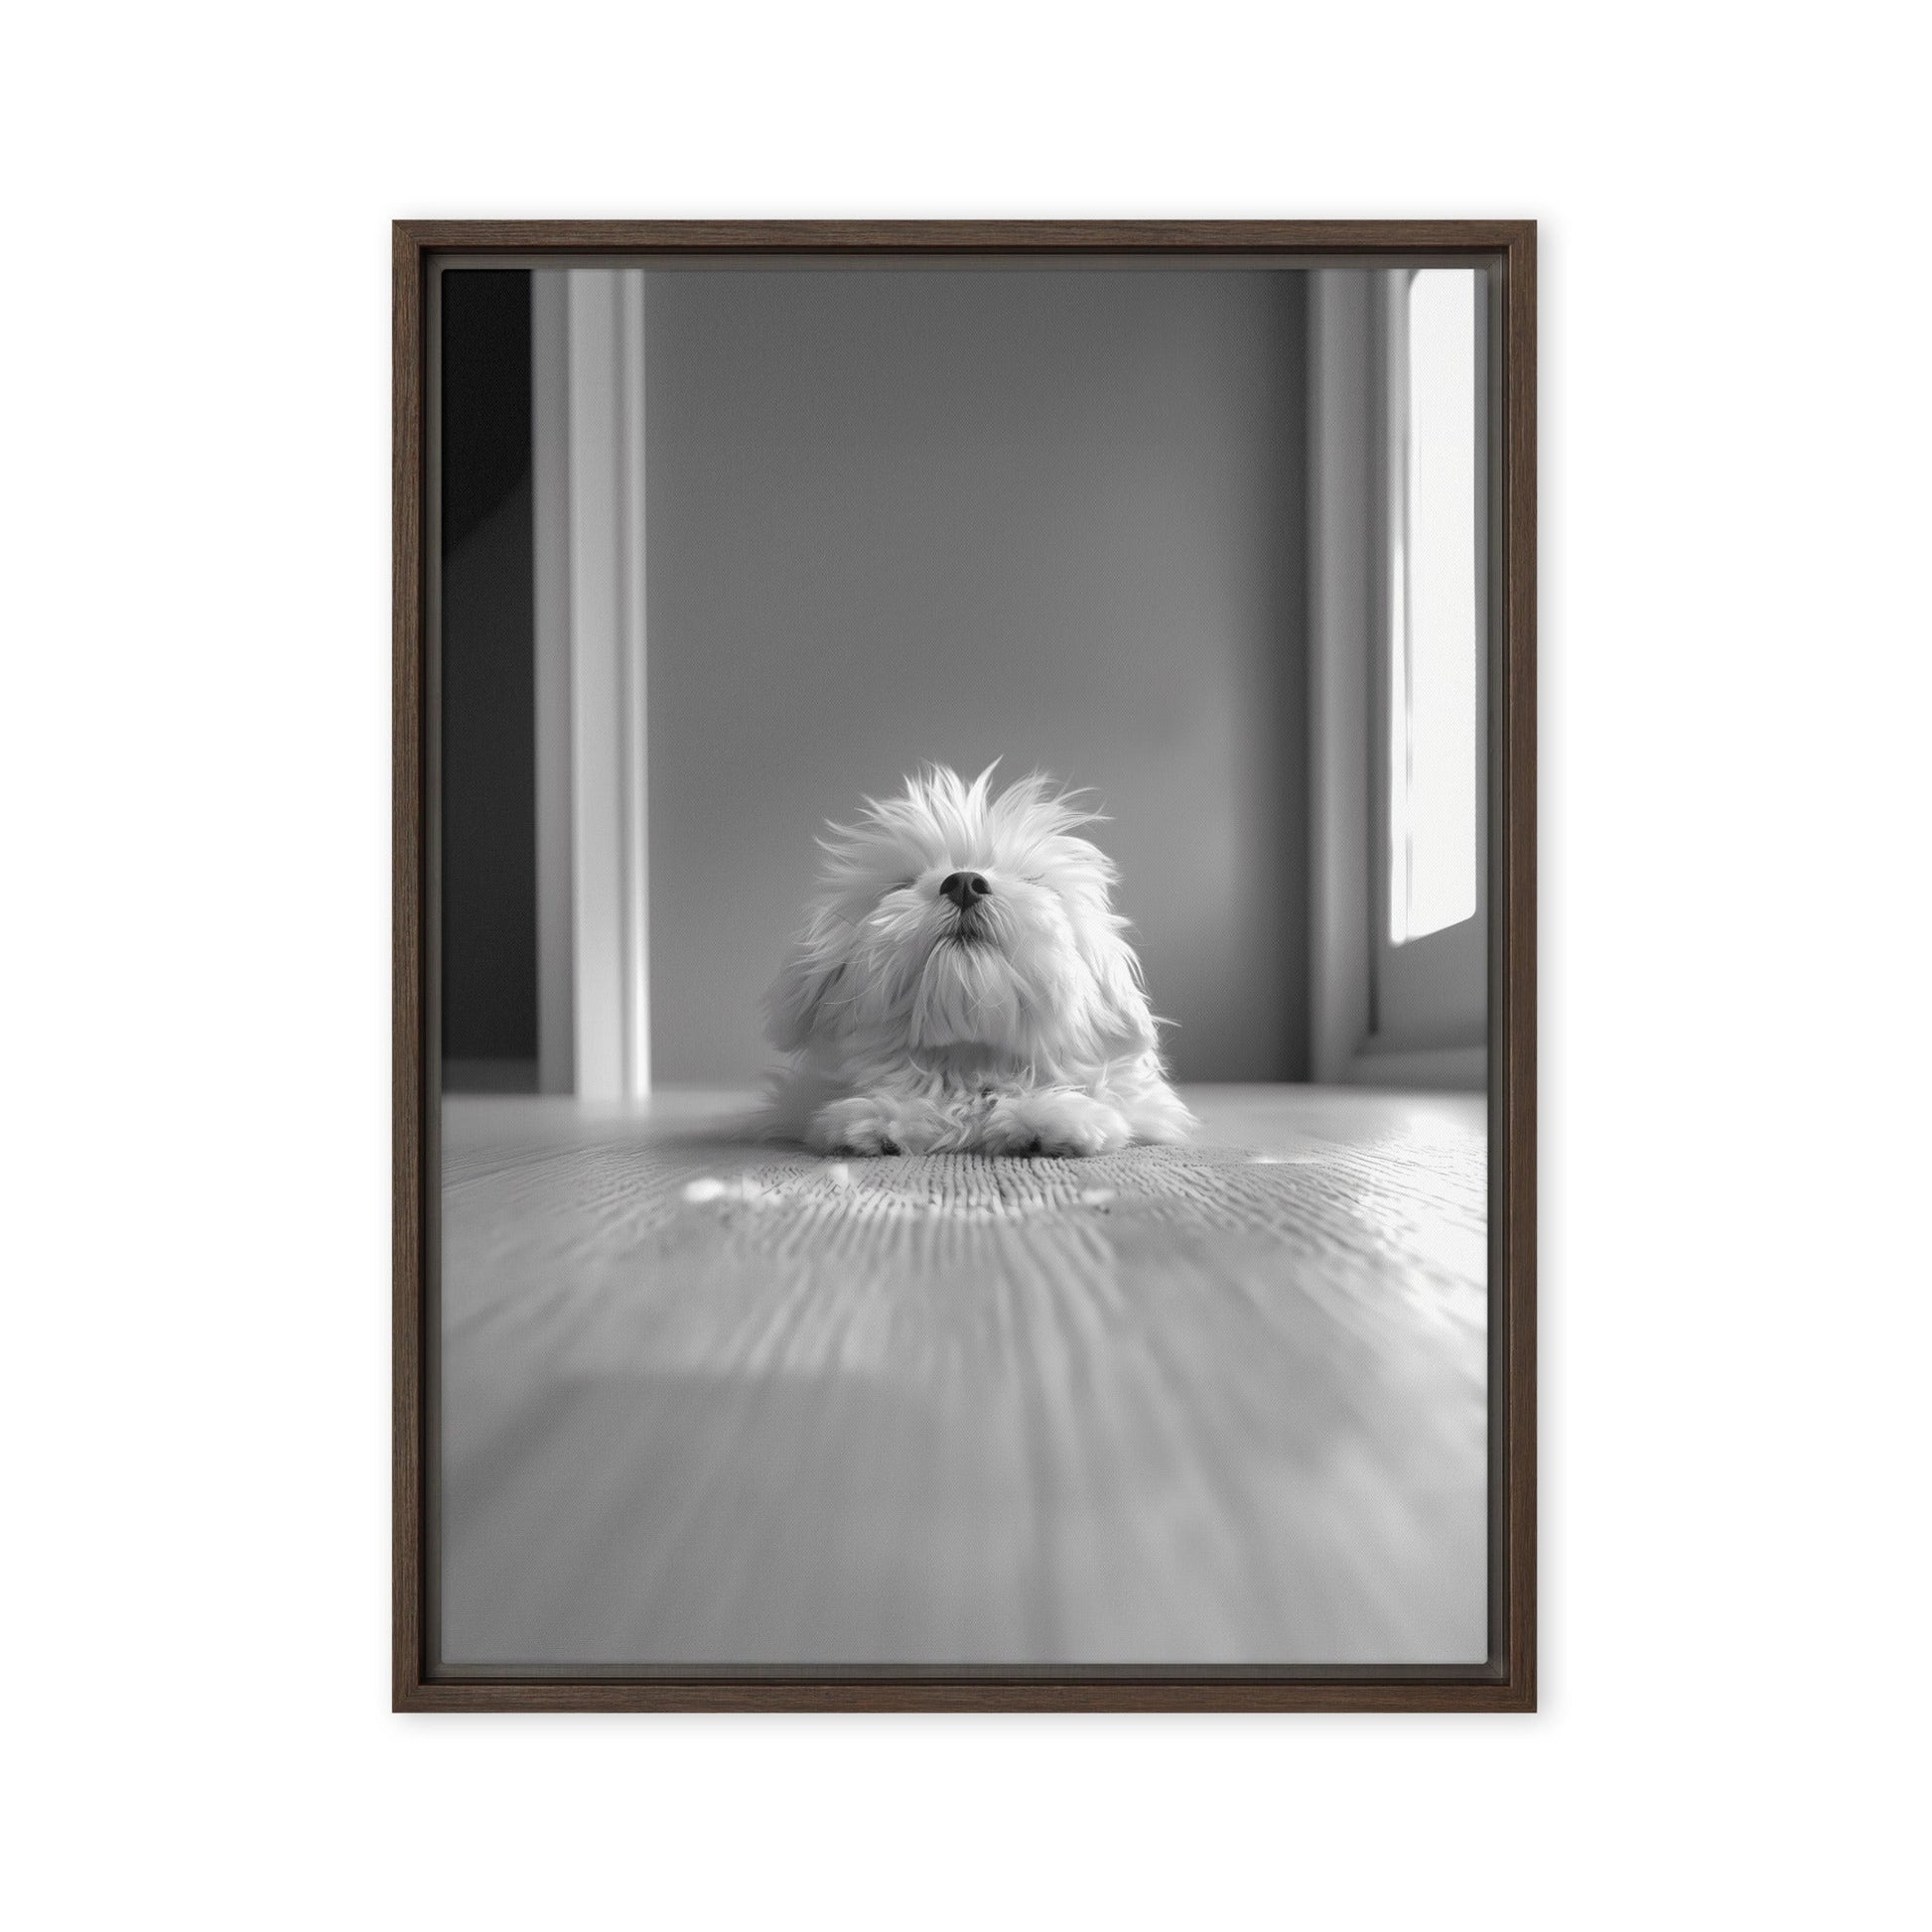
point(961, 984)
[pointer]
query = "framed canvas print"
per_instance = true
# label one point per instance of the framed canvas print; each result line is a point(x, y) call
point(965, 965)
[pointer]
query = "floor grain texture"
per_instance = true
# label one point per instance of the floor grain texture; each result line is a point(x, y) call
point(705, 1402)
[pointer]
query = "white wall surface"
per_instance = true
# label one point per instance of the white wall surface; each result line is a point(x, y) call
point(196, 794)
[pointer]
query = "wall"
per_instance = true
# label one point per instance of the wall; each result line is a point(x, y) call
point(1056, 518)
point(1734, 1327)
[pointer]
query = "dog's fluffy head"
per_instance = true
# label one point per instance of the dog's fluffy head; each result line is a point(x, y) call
point(1032, 974)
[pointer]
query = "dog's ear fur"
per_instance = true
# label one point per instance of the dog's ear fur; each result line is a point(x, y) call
point(794, 1008)
point(1123, 1023)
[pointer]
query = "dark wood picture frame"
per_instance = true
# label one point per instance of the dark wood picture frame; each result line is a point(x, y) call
point(1507, 1681)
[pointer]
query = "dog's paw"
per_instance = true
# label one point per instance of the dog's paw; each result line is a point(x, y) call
point(872, 1124)
point(1157, 1114)
point(1057, 1124)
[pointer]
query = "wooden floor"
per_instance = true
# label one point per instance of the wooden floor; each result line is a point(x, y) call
point(706, 1403)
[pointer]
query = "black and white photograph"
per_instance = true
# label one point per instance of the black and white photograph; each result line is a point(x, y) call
point(961, 964)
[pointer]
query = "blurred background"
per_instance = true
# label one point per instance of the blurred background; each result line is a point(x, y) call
point(725, 549)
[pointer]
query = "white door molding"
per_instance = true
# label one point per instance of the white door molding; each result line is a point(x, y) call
point(594, 941)
point(1343, 422)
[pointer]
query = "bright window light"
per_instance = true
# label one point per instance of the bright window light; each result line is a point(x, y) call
point(1433, 729)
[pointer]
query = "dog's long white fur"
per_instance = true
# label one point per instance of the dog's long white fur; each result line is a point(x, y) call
point(912, 1025)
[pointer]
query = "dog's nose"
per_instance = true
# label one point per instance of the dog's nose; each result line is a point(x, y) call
point(964, 889)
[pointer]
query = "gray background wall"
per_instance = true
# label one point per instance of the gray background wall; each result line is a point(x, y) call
point(1055, 517)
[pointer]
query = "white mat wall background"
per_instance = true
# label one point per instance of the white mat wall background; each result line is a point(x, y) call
point(196, 795)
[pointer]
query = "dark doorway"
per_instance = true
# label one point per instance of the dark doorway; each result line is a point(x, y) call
point(489, 849)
